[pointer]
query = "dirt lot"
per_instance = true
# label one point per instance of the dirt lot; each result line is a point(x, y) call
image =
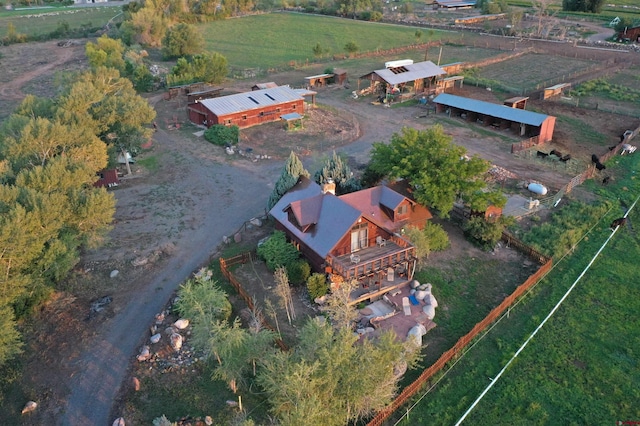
point(170, 218)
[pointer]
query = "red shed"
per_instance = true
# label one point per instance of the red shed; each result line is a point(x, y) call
point(247, 109)
point(107, 179)
point(630, 34)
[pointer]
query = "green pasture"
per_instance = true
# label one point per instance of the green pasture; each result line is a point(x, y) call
point(533, 72)
point(609, 10)
point(277, 39)
point(43, 21)
point(582, 367)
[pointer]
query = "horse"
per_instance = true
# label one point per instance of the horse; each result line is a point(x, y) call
point(618, 222)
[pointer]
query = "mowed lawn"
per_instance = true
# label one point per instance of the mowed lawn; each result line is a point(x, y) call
point(274, 40)
point(45, 20)
point(583, 367)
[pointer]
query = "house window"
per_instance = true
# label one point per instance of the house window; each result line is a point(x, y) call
point(227, 122)
point(359, 237)
point(244, 116)
point(293, 106)
point(402, 209)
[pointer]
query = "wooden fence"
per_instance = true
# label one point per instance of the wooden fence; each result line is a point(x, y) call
point(465, 340)
point(524, 145)
point(242, 258)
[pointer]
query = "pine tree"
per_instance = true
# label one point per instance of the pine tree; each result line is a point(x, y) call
point(291, 173)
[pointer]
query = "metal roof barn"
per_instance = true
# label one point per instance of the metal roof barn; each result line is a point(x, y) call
point(497, 115)
point(247, 109)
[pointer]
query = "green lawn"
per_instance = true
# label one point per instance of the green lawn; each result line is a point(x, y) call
point(43, 21)
point(582, 367)
point(274, 40)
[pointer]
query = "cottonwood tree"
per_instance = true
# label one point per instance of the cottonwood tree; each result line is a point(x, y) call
point(106, 52)
point(438, 170)
point(291, 173)
point(337, 305)
point(182, 40)
point(331, 379)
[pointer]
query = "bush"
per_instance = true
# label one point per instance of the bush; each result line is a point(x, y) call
point(431, 238)
point(317, 286)
point(298, 271)
point(276, 251)
point(487, 234)
point(221, 135)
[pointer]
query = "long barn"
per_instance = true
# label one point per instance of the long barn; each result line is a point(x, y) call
point(525, 123)
point(247, 109)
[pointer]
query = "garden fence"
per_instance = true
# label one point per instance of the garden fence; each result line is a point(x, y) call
point(409, 391)
point(243, 258)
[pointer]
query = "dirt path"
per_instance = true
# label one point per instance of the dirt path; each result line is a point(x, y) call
point(218, 198)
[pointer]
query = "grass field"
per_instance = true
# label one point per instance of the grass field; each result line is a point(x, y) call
point(582, 367)
point(43, 21)
point(274, 40)
point(530, 71)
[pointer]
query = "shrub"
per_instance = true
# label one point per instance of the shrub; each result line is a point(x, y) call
point(317, 286)
point(487, 234)
point(221, 135)
point(276, 251)
point(298, 271)
point(431, 238)
point(201, 300)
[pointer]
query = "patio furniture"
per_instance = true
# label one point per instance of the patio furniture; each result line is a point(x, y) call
point(406, 306)
point(354, 258)
point(381, 241)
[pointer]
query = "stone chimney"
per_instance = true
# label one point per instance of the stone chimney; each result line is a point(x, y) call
point(329, 187)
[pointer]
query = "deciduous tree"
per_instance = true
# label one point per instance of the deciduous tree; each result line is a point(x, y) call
point(438, 170)
point(182, 40)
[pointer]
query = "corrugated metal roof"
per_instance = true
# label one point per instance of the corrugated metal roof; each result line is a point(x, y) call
point(291, 116)
point(456, 3)
point(413, 72)
point(250, 100)
point(493, 110)
point(558, 86)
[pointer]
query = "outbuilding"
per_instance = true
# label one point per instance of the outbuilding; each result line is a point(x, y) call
point(525, 123)
point(407, 79)
point(247, 109)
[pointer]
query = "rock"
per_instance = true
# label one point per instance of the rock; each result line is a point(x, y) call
point(431, 300)
point(160, 318)
point(320, 300)
point(208, 421)
point(237, 238)
point(225, 239)
point(170, 330)
point(429, 311)
point(156, 338)
point(181, 324)
point(145, 354)
point(415, 284)
point(135, 384)
point(29, 407)
point(232, 403)
point(256, 222)
point(176, 341)
point(118, 422)
point(114, 273)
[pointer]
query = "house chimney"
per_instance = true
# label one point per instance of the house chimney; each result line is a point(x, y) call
point(329, 187)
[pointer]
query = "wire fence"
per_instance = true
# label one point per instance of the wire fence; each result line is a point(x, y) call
point(409, 391)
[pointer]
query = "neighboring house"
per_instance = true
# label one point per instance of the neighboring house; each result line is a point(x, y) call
point(630, 34)
point(247, 109)
point(356, 235)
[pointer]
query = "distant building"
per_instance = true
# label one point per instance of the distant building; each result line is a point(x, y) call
point(630, 34)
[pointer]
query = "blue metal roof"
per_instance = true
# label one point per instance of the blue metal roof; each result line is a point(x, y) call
point(291, 116)
point(494, 110)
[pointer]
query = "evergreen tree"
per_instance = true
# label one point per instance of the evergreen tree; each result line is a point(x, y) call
point(291, 172)
point(336, 169)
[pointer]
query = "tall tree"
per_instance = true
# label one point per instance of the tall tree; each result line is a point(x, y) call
point(337, 169)
point(438, 170)
point(106, 52)
point(182, 40)
point(291, 172)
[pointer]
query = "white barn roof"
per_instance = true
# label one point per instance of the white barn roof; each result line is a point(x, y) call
point(230, 104)
point(412, 72)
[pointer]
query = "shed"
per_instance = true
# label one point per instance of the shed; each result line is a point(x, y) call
point(340, 76)
point(526, 123)
point(553, 91)
point(630, 34)
point(455, 4)
point(247, 109)
point(204, 94)
point(422, 76)
point(449, 83)
point(292, 119)
point(260, 86)
point(318, 80)
point(107, 179)
point(519, 102)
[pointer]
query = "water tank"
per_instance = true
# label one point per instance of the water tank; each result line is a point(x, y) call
point(537, 188)
point(398, 63)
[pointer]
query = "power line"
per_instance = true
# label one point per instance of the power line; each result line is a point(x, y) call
point(555, 308)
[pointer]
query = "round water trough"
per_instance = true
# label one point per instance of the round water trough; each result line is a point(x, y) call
point(537, 188)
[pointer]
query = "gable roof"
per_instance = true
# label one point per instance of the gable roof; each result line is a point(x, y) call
point(331, 217)
point(250, 100)
point(411, 72)
point(494, 110)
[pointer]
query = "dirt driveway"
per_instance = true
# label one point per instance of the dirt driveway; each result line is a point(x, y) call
point(169, 221)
